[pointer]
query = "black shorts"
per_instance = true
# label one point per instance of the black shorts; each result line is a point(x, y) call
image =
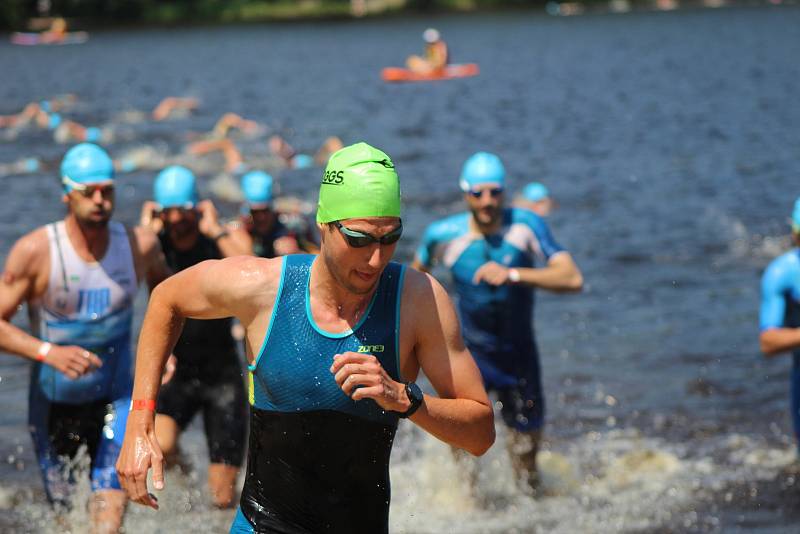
point(221, 398)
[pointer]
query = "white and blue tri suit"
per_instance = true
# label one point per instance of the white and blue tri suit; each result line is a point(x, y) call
point(497, 321)
point(780, 307)
point(89, 305)
point(318, 461)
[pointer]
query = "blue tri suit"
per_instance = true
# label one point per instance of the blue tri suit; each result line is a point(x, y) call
point(497, 321)
point(780, 307)
point(318, 461)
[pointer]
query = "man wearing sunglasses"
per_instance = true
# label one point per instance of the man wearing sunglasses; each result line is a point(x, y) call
point(335, 342)
point(207, 372)
point(491, 253)
point(79, 278)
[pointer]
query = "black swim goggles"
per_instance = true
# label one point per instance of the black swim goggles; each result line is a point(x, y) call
point(359, 239)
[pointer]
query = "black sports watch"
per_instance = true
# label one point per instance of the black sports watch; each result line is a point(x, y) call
point(415, 396)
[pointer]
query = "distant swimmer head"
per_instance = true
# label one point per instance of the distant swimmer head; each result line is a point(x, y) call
point(257, 189)
point(53, 121)
point(482, 168)
point(431, 35)
point(796, 216)
point(93, 134)
point(175, 187)
point(302, 161)
point(84, 164)
point(359, 181)
point(535, 192)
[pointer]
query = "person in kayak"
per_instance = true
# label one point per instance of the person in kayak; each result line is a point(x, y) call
point(436, 54)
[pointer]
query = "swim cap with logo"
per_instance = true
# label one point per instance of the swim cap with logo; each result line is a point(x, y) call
point(535, 191)
point(482, 168)
point(85, 163)
point(796, 216)
point(175, 187)
point(359, 181)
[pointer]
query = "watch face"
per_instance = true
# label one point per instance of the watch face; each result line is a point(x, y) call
point(414, 392)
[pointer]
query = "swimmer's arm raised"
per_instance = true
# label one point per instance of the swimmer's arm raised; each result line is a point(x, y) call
point(462, 415)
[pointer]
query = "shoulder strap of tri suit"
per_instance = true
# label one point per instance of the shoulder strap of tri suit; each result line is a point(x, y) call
point(57, 240)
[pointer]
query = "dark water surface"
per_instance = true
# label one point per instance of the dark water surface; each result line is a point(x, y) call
point(670, 141)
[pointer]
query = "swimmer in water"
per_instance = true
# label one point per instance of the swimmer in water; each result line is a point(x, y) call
point(335, 343)
point(536, 198)
point(436, 55)
point(208, 376)
point(294, 160)
point(780, 313)
point(491, 252)
point(269, 236)
point(79, 277)
point(173, 106)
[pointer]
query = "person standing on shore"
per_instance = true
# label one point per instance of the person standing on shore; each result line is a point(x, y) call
point(780, 313)
point(335, 343)
point(79, 278)
point(490, 251)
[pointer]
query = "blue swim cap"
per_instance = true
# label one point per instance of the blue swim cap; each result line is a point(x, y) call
point(302, 161)
point(31, 164)
point(53, 121)
point(85, 164)
point(796, 216)
point(535, 191)
point(175, 187)
point(93, 134)
point(45, 105)
point(482, 168)
point(257, 188)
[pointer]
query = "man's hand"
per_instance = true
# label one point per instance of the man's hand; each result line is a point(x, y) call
point(148, 217)
point(169, 369)
point(352, 370)
point(492, 273)
point(72, 360)
point(209, 219)
point(139, 452)
point(286, 245)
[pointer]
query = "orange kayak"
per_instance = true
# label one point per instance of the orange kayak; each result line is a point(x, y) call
point(398, 74)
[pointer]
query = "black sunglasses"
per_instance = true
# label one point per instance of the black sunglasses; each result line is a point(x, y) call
point(494, 192)
point(359, 239)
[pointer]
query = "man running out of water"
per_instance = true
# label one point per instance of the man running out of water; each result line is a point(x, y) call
point(780, 312)
point(335, 343)
point(436, 54)
point(491, 253)
point(269, 235)
point(208, 375)
point(79, 277)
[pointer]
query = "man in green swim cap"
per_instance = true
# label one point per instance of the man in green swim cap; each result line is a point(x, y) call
point(344, 333)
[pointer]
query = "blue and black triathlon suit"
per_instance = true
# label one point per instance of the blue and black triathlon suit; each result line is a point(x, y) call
point(780, 307)
point(318, 460)
point(208, 377)
point(497, 322)
point(88, 304)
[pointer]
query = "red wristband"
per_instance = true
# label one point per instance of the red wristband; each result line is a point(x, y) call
point(143, 404)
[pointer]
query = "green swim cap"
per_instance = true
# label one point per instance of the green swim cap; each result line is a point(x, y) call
point(359, 181)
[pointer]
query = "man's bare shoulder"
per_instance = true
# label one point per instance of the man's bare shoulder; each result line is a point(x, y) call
point(28, 254)
point(249, 275)
point(422, 288)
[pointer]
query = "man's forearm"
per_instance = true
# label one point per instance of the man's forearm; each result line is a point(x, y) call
point(14, 340)
point(160, 331)
point(777, 340)
point(462, 423)
point(554, 277)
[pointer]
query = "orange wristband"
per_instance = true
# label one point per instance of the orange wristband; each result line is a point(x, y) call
point(143, 404)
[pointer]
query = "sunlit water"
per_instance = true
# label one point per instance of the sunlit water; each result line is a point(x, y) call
point(670, 141)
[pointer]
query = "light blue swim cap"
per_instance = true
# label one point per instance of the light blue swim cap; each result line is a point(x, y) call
point(53, 121)
point(257, 188)
point(45, 105)
point(302, 161)
point(93, 134)
point(796, 216)
point(535, 191)
point(31, 164)
point(85, 163)
point(175, 187)
point(482, 168)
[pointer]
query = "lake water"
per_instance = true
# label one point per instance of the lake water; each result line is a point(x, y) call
point(670, 141)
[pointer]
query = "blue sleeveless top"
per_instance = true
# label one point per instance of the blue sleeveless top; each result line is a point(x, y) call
point(318, 461)
point(292, 371)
